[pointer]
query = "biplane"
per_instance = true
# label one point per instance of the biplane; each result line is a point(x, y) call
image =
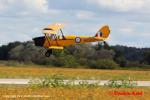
point(54, 38)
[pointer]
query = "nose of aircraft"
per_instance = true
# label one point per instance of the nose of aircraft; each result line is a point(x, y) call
point(39, 41)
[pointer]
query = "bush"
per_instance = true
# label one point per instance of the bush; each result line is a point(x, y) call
point(103, 64)
point(85, 84)
point(133, 64)
point(58, 81)
point(121, 84)
point(83, 61)
point(54, 81)
point(67, 61)
point(14, 63)
point(47, 61)
point(121, 60)
point(136, 64)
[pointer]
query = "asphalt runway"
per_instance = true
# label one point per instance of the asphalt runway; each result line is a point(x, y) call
point(100, 82)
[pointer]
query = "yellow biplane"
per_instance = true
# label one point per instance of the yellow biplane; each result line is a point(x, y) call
point(55, 39)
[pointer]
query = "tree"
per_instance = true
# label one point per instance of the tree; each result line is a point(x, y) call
point(103, 64)
point(147, 56)
point(26, 52)
point(67, 61)
point(4, 50)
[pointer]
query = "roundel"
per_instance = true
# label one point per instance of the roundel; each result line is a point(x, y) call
point(77, 40)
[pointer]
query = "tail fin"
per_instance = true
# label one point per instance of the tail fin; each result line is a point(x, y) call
point(103, 32)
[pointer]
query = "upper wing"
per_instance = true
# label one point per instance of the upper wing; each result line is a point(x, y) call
point(55, 26)
point(49, 31)
point(52, 28)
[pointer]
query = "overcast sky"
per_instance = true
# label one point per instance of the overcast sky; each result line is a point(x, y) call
point(129, 20)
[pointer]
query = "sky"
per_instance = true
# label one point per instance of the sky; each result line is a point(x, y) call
point(129, 20)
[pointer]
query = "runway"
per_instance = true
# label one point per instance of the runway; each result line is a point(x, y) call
point(99, 82)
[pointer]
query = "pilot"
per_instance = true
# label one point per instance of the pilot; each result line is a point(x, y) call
point(52, 36)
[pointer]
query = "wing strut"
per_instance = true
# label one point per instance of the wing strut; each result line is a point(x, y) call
point(62, 34)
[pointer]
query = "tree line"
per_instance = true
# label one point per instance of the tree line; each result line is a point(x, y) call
point(99, 56)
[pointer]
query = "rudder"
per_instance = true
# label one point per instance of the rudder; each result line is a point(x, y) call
point(103, 32)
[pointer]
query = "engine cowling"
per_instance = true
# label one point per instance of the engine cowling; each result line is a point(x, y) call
point(39, 41)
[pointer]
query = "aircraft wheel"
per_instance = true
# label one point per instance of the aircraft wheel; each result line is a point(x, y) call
point(48, 53)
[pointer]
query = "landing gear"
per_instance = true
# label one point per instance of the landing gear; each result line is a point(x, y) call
point(48, 53)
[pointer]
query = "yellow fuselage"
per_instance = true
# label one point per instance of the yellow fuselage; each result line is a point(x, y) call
point(69, 40)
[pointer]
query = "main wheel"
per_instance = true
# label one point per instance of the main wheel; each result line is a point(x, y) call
point(48, 53)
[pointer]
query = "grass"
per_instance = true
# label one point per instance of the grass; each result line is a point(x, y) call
point(34, 71)
point(72, 93)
